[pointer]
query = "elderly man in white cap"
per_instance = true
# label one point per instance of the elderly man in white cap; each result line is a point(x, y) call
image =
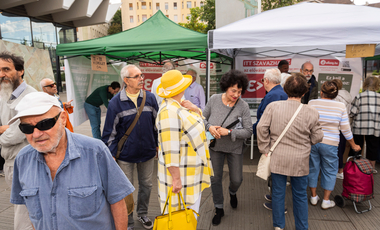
point(64, 178)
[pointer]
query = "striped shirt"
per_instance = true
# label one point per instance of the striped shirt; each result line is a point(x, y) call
point(332, 117)
point(182, 143)
point(365, 110)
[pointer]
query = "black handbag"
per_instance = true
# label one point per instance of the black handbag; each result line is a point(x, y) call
point(213, 141)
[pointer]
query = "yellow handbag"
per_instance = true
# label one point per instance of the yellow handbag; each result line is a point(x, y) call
point(183, 219)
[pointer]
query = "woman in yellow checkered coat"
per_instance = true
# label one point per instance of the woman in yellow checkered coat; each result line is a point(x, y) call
point(183, 157)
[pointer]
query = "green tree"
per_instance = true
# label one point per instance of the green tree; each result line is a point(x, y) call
point(208, 14)
point(115, 26)
point(193, 19)
point(273, 4)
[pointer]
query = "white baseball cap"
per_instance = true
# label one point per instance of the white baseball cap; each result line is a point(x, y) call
point(36, 103)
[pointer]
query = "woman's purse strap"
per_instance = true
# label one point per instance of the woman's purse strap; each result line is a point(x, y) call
point(169, 198)
point(285, 130)
point(233, 107)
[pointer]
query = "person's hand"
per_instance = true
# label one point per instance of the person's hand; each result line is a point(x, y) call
point(177, 185)
point(356, 148)
point(214, 132)
point(156, 152)
point(3, 128)
point(222, 131)
point(190, 106)
point(68, 104)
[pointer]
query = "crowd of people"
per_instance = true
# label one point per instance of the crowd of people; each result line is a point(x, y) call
point(63, 180)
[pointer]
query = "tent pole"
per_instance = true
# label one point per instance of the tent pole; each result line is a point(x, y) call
point(207, 74)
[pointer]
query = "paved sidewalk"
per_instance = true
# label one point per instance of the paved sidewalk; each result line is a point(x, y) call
point(250, 213)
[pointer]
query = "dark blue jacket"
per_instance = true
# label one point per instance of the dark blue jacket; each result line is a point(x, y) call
point(275, 94)
point(142, 142)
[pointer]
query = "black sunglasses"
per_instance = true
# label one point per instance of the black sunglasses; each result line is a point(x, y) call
point(42, 125)
point(51, 85)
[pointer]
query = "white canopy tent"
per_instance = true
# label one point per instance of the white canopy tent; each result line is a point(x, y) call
point(310, 29)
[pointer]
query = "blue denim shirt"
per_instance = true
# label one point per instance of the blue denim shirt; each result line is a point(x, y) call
point(86, 183)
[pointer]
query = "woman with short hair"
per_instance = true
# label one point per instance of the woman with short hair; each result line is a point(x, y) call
point(365, 110)
point(324, 156)
point(224, 110)
point(291, 157)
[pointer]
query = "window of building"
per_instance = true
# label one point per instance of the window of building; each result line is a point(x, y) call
point(15, 29)
point(188, 4)
point(175, 18)
point(143, 17)
point(183, 5)
point(202, 4)
point(183, 17)
point(167, 16)
point(166, 5)
point(130, 6)
point(131, 19)
point(188, 17)
point(150, 5)
point(138, 18)
point(175, 5)
point(143, 5)
point(195, 4)
point(137, 5)
point(157, 6)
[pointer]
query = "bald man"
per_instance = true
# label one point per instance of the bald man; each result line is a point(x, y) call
point(50, 87)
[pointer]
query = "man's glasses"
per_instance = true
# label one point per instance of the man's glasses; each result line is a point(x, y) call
point(42, 125)
point(308, 71)
point(51, 85)
point(142, 76)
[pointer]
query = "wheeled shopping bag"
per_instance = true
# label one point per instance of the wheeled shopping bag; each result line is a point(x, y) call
point(357, 183)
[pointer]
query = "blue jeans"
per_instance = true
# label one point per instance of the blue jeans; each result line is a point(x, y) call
point(323, 158)
point(93, 113)
point(300, 206)
point(144, 176)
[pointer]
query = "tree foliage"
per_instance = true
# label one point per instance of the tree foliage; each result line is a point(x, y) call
point(193, 19)
point(273, 4)
point(116, 22)
point(202, 19)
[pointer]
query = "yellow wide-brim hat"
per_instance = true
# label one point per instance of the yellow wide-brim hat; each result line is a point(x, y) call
point(173, 83)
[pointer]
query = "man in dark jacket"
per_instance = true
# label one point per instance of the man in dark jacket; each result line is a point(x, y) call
point(141, 146)
point(307, 70)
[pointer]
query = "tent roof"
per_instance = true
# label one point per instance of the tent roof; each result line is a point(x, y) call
point(155, 39)
point(303, 26)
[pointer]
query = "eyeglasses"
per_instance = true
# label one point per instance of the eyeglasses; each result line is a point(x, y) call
point(51, 85)
point(42, 125)
point(308, 71)
point(142, 76)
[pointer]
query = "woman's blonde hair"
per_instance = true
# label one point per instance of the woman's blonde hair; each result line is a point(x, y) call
point(371, 84)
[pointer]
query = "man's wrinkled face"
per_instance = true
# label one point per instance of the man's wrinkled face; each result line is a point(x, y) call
point(307, 70)
point(135, 81)
point(48, 140)
point(10, 78)
point(50, 87)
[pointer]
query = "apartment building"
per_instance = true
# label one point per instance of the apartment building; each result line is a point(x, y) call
point(91, 32)
point(135, 12)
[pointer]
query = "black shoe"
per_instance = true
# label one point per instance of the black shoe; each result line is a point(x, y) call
point(268, 197)
point(233, 201)
point(269, 207)
point(219, 213)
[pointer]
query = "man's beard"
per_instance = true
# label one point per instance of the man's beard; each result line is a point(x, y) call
point(6, 90)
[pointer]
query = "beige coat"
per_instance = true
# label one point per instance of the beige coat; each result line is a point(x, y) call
point(291, 157)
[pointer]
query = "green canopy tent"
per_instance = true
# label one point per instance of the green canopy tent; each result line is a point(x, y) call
point(155, 40)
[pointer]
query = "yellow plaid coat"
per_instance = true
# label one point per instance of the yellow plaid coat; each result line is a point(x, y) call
point(182, 143)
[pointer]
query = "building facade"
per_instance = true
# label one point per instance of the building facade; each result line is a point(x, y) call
point(135, 12)
point(91, 32)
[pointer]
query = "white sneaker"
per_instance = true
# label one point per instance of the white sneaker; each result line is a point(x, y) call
point(314, 201)
point(339, 176)
point(277, 228)
point(326, 205)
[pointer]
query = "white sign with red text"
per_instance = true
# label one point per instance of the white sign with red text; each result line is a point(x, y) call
point(326, 68)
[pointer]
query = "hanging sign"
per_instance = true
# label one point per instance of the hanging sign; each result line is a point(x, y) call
point(360, 50)
point(99, 63)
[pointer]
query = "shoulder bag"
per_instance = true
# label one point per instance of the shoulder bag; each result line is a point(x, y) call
point(129, 199)
point(183, 219)
point(263, 168)
point(213, 141)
